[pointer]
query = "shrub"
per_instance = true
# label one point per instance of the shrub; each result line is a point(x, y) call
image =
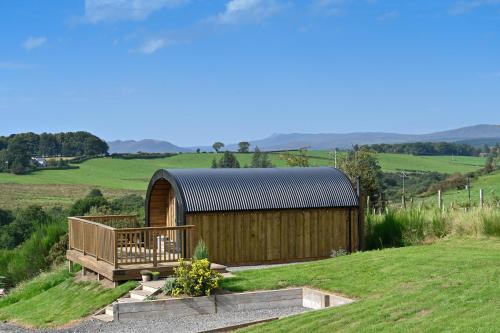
point(338, 253)
point(146, 272)
point(170, 285)
point(201, 251)
point(83, 206)
point(196, 280)
point(57, 253)
point(491, 222)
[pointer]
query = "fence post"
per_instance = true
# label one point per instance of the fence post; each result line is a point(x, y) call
point(440, 199)
point(481, 198)
point(403, 201)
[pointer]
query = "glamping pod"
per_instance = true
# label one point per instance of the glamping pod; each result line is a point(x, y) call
point(252, 216)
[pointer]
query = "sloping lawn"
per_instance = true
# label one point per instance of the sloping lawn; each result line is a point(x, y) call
point(451, 285)
point(54, 299)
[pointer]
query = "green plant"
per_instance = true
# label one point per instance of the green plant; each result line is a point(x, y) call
point(491, 222)
point(201, 251)
point(170, 285)
point(146, 272)
point(196, 280)
point(155, 275)
point(338, 253)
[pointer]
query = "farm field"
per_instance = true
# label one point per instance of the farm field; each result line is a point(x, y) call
point(448, 286)
point(118, 176)
point(489, 183)
point(398, 162)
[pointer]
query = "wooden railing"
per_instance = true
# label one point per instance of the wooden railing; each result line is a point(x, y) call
point(126, 246)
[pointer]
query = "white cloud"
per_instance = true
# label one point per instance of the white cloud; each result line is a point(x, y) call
point(15, 65)
point(152, 45)
point(34, 42)
point(390, 15)
point(240, 11)
point(97, 11)
point(465, 6)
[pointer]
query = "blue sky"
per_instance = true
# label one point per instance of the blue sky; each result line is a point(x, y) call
point(196, 71)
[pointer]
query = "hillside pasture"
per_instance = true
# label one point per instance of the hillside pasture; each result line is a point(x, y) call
point(118, 176)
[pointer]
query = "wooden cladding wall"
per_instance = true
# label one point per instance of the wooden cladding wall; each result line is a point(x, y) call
point(275, 236)
point(162, 205)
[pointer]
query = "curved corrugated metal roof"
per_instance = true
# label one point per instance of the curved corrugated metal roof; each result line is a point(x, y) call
point(205, 190)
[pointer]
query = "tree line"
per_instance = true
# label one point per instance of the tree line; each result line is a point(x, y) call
point(18, 150)
point(427, 148)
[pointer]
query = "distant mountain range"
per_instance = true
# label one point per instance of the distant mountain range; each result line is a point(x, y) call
point(476, 135)
point(145, 146)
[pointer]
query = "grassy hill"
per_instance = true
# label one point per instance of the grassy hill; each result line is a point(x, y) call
point(448, 286)
point(55, 298)
point(489, 183)
point(451, 285)
point(117, 176)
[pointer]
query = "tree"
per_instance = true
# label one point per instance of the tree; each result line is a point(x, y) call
point(260, 160)
point(93, 146)
point(48, 145)
point(243, 147)
point(6, 217)
point(18, 154)
point(26, 221)
point(299, 159)
point(489, 166)
point(363, 164)
point(94, 199)
point(217, 146)
point(228, 160)
point(4, 162)
point(214, 163)
point(197, 150)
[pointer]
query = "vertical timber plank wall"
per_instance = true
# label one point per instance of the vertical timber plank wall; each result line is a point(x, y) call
point(162, 208)
point(275, 236)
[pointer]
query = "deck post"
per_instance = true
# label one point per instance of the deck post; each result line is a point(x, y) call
point(70, 266)
point(155, 259)
point(95, 242)
point(115, 249)
point(83, 238)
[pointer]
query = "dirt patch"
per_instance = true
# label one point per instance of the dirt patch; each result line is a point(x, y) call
point(14, 196)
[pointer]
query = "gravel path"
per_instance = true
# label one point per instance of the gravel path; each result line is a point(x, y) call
point(178, 325)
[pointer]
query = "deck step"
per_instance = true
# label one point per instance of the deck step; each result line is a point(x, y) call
point(140, 294)
point(104, 317)
point(127, 300)
point(109, 311)
point(153, 286)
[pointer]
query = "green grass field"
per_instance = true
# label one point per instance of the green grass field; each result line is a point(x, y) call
point(491, 189)
point(134, 174)
point(55, 298)
point(449, 286)
point(117, 176)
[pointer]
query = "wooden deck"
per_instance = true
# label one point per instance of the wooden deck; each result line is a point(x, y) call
point(110, 247)
point(126, 272)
